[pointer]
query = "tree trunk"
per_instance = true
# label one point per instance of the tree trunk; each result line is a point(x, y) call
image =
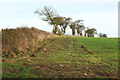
point(73, 31)
point(80, 34)
point(56, 29)
point(64, 30)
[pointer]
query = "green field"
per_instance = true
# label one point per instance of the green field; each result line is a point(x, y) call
point(65, 57)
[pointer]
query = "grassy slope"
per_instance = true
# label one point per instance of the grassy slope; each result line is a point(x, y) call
point(75, 57)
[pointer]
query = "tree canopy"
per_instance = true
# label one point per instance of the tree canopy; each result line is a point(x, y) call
point(60, 23)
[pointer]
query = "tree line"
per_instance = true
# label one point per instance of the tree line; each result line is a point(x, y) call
point(60, 23)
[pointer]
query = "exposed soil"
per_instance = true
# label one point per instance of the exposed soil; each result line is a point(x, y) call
point(83, 47)
point(73, 70)
point(41, 47)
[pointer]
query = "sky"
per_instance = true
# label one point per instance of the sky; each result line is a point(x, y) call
point(119, 19)
point(99, 14)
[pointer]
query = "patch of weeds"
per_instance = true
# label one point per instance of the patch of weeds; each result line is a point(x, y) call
point(6, 75)
point(39, 73)
point(76, 77)
point(52, 68)
point(61, 75)
point(40, 76)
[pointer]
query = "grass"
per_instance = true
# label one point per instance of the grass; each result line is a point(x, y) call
point(66, 57)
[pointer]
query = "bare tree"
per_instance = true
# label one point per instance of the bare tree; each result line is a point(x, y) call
point(49, 15)
point(79, 27)
point(90, 32)
point(65, 23)
point(102, 35)
point(73, 27)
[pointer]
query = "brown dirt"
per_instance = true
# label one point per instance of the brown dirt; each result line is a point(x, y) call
point(73, 70)
point(83, 47)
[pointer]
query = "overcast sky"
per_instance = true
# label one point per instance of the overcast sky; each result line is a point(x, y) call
point(99, 14)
